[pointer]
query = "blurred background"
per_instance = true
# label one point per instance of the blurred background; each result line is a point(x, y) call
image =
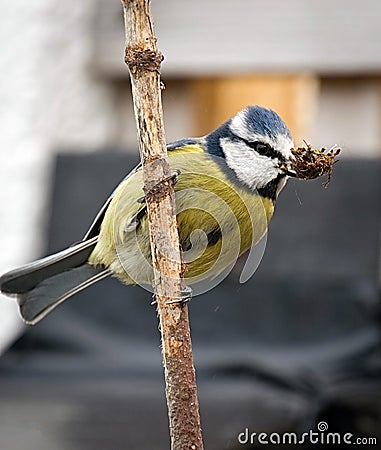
point(299, 342)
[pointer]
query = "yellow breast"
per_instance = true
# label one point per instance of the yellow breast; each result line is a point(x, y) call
point(218, 220)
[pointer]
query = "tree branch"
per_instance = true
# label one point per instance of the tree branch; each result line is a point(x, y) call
point(143, 60)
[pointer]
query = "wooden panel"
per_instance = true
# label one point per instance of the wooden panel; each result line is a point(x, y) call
point(349, 115)
point(293, 97)
point(216, 38)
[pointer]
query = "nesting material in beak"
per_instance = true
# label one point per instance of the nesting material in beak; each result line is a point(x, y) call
point(307, 163)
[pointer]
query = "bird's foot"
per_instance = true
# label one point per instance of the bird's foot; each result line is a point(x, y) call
point(185, 297)
point(174, 177)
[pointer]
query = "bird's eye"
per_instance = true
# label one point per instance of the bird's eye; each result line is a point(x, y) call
point(263, 149)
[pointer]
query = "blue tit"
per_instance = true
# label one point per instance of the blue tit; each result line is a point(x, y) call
point(226, 188)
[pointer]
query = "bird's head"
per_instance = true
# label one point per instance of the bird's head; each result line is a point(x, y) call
point(255, 143)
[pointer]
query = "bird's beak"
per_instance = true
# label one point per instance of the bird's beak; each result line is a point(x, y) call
point(287, 170)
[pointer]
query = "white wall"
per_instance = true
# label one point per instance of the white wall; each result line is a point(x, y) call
point(48, 100)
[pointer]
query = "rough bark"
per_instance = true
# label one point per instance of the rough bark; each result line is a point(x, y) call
point(143, 60)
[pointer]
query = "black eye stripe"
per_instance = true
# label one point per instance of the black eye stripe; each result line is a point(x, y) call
point(264, 149)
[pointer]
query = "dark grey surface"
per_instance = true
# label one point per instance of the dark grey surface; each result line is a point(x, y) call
point(296, 343)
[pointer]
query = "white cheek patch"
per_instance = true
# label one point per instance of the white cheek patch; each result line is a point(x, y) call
point(251, 168)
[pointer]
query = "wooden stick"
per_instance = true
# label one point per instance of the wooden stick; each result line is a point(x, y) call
point(143, 60)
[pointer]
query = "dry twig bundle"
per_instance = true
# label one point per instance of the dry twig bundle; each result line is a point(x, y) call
point(308, 163)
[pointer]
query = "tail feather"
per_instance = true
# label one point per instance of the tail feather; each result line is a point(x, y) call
point(44, 284)
point(51, 292)
point(27, 277)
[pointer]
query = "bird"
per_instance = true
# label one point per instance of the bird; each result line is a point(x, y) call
point(226, 186)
